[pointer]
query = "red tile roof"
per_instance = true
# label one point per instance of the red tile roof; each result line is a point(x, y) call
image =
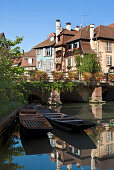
point(46, 43)
point(111, 25)
point(65, 36)
point(17, 61)
point(104, 32)
point(68, 32)
point(52, 34)
point(26, 56)
point(31, 53)
point(83, 33)
point(85, 46)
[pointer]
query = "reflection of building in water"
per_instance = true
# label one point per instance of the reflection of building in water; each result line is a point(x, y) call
point(102, 157)
point(66, 154)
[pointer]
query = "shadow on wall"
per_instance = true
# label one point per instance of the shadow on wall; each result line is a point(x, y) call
point(79, 95)
point(108, 94)
point(34, 98)
point(71, 97)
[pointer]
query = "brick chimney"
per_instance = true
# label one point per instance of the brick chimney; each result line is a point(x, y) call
point(58, 29)
point(68, 26)
point(91, 35)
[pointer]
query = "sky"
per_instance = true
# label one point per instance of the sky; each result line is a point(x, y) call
point(36, 19)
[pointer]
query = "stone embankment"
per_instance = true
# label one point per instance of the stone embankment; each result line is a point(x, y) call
point(7, 121)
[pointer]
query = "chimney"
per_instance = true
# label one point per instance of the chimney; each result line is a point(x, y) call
point(77, 28)
point(68, 26)
point(91, 35)
point(58, 29)
point(91, 31)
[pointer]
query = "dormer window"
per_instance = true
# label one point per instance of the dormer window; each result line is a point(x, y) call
point(51, 38)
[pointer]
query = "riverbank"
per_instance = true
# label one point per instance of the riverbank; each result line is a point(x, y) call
point(7, 121)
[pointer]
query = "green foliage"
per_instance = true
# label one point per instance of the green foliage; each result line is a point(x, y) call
point(89, 63)
point(78, 59)
point(73, 76)
point(10, 96)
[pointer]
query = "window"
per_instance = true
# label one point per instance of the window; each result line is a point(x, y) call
point(108, 60)
point(109, 136)
point(109, 149)
point(30, 61)
point(25, 59)
point(108, 46)
point(70, 46)
point(76, 45)
point(51, 38)
point(48, 51)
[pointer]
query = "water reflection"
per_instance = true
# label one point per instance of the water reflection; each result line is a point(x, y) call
point(70, 148)
point(92, 149)
point(9, 149)
point(35, 145)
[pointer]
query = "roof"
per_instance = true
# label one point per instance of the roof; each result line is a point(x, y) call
point(17, 61)
point(31, 53)
point(65, 36)
point(104, 32)
point(68, 32)
point(83, 33)
point(46, 43)
point(85, 46)
point(26, 56)
point(100, 32)
point(52, 34)
point(111, 25)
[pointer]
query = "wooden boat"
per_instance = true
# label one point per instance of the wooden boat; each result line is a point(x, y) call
point(34, 122)
point(68, 122)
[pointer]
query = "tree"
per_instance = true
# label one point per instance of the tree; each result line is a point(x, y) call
point(10, 97)
point(90, 64)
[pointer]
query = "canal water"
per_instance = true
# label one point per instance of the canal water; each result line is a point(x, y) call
point(92, 149)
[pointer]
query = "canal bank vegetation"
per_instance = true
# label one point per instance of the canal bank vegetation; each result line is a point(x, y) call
point(10, 96)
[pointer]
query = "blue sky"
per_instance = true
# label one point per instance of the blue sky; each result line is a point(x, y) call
point(35, 19)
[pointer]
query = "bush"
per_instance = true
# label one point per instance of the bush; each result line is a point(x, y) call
point(99, 76)
point(57, 76)
point(110, 76)
point(73, 76)
point(40, 76)
point(87, 76)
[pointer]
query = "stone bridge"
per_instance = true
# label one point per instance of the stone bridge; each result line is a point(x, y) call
point(93, 94)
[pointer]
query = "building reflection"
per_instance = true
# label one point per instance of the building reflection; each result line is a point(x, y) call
point(101, 157)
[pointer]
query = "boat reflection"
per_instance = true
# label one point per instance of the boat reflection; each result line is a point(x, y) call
point(35, 145)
